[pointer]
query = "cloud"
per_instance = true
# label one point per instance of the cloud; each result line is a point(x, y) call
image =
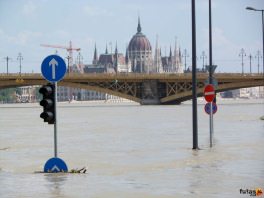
point(225, 51)
point(29, 8)
point(202, 5)
point(62, 34)
point(87, 41)
point(96, 11)
point(22, 38)
point(219, 41)
point(223, 43)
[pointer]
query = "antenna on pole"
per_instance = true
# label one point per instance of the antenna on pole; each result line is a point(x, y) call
point(204, 57)
point(20, 58)
point(242, 54)
point(258, 56)
point(185, 55)
point(250, 59)
point(7, 60)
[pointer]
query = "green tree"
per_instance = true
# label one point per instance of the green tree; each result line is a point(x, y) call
point(8, 95)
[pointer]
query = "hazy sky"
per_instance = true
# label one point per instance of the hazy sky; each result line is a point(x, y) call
point(25, 24)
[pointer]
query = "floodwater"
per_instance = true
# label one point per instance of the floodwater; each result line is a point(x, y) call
point(132, 151)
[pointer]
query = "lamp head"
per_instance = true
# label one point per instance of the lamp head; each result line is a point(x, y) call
point(250, 8)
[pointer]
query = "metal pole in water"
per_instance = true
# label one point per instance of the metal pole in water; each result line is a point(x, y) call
point(194, 93)
point(211, 124)
point(210, 72)
point(56, 120)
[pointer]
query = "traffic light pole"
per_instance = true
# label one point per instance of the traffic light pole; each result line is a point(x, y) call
point(56, 121)
point(211, 119)
point(194, 80)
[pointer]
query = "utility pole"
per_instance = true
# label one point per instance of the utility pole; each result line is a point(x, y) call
point(262, 13)
point(79, 61)
point(69, 89)
point(79, 58)
point(194, 81)
point(211, 119)
point(258, 56)
point(242, 54)
point(20, 58)
point(203, 56)
point(7, 60)
point(68, 58)
point(250, 58)
point(185, 55)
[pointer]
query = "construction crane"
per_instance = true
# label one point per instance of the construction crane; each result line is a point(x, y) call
point(69, 48)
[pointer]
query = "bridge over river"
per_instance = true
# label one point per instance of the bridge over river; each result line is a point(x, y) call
point(141, 88)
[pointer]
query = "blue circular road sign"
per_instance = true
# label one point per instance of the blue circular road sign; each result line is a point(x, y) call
point(53, 68)
point(55, 165)
point(207, 108)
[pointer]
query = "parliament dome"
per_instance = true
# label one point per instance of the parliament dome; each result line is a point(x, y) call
point(139, 41)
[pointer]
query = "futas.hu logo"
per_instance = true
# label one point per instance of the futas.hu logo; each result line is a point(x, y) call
point(256, 192)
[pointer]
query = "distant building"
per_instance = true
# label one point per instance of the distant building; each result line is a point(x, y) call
point(111, 62)
point(173, 62)
point(27, 94)
point(140, 56)
point(140, 53)
point(138, 59)
point(69, 94)
point(253, 92)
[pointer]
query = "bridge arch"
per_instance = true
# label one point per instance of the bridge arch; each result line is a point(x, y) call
point(187, 95)
point(71, 85)
point(141, 88)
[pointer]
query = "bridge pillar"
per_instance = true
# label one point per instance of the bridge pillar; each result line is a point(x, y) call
point(150, 93)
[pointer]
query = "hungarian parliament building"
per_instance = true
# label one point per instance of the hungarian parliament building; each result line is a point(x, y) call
point(137, 59)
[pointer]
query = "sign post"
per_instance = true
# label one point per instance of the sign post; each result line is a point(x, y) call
point(209, 95)
point(53, 69)
point(56, 122)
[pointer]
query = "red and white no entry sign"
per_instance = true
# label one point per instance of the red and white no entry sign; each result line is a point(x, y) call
point(209, 93)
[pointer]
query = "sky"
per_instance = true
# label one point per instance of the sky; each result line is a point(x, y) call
point(25, 24)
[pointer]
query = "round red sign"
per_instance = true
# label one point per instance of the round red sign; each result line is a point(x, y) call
point(209, 93)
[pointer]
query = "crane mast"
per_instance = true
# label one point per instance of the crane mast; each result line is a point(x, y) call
point(69, 49)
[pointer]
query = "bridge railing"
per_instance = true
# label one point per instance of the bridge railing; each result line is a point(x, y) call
point(131, 75)
point(22, 74)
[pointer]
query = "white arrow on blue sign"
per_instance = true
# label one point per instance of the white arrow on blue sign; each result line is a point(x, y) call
point(53, 68)
point(55, 165)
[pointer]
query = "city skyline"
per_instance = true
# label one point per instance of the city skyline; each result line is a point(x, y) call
point(108, 22)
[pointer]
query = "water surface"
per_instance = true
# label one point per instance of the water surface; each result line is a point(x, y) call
point(132, 151)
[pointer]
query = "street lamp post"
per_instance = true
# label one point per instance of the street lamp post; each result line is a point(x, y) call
point(258, 56)
point(203, 56)
point(250, 59)
point(242, 54)
point(20, 58)
point(194, 80)
point(68, 58)
point(185, 55)
point(7, 60)
point(262, 11)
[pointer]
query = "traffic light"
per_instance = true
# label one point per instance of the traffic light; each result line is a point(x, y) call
point(48, 103)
